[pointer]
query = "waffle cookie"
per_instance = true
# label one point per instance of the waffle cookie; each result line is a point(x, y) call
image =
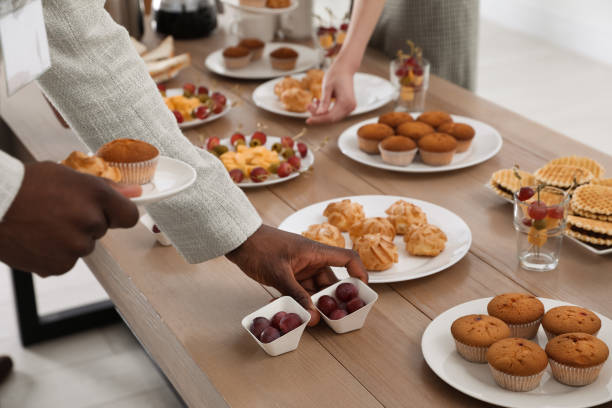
point(505, 183)
point(590, 215)
point(594, 200)
point(582, 162)
point(602, 182)
point(562, 175)
point(592, 231)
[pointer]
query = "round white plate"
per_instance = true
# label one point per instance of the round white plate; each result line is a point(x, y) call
point(486, 143)
point(409, 267)
point(475, 379)
point(171, 177)
point(371, 92)
point(196, 121)
point(262, 69)
point(261, 10)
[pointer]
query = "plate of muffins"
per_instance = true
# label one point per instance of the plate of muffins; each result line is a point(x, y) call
point(254, 59)
point(263, 6)
point(397, 238)
point(291, 95)
point(517, 350)
point(135, 162)
point(427, 142)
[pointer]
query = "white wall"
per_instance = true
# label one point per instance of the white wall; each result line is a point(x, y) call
point(583, 26)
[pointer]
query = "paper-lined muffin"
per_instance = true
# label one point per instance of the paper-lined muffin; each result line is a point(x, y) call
point(255, 45)
point(576, 358)
point(462, 132)
point(135, 159)
point(403, 215)
point(344, 214)
point(434, 118)
point(236, 57)
point(325, 233)
point(370, 135)
point(283, 58)
point(394, 119)
point(437, 149)
point(517, 364)
point(475, 333)
point(414, 130)
point(569, 319)
point(397, 150)
point(372, 225)
point(522, 313)
point(377, 252)
point(505, 183)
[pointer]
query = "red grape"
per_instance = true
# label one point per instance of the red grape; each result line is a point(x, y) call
point(237, 175)
point(321, 31)
point(156, 229)
point(537, 210)
point(418, 71)
point(161, 87)
point(332, 30)
point(401, 72)
point(344, 26)
point(337, 314)
point(276, 319)
point(525, 193)
point(202, 90)
point(261, 136)
point(259, 324)
point(202, 112)
point(286, 141)
point(327, 304)
point(342, 305)
point(354, 304)
point(555, 212)
point(235, 137)
point(189, 87)
point(284, 169)
point(295, 162)
point(269, 334)
point(212, 142)
point(219, 97)
point(527, 222)
point(259, 174)
point(410, 61)
point(178, 116)
point(290, 322)
point(303, 149)
point(346, 291)
point(217, 107)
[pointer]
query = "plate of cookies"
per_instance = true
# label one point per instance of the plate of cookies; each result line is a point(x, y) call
point(517, 350)
point(254, 59)
point(397, 238)
point(427, 142)
point(291, 95)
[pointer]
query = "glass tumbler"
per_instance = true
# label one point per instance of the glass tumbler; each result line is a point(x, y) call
point(411, 80)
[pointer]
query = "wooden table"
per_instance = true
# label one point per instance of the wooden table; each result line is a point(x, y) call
point(188, 316)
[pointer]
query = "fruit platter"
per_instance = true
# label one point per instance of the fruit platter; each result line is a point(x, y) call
point(194, 106)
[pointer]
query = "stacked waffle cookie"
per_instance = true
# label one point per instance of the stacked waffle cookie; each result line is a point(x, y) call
point(505, 182)
point(565, 172)
point(591, 205)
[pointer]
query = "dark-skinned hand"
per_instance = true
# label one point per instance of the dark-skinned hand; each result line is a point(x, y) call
point(57, 216)
point(294, 265)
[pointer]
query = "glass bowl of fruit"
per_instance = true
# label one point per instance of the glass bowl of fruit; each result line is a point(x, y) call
point(329, 35)
point(409, 72)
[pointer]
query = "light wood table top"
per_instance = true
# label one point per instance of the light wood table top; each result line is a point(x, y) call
point(188, 316)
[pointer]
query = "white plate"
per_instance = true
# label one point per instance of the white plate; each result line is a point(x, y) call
point(408, 267)
point(371, 92)
point(475, 379)
point(486, 143)
point(171, 177)
point(261, 10)
point(196, 122)
point(262, 69)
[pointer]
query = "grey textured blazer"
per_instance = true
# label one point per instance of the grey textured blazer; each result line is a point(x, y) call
point(102, 88)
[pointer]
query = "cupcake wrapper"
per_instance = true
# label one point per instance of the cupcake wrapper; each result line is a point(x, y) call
point(526, 330)
point(397, 158)
point(474, 354)
point(551, 335)
point(574, 376)
point(516, 383)
point(136, 173)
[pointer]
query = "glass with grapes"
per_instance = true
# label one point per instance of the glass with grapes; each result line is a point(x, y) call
point(539, 220)
point(329, 35)
point(409, 73)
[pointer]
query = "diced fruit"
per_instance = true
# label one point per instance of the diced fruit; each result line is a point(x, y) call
point(259, 325)
point(217, 107)
point(525, 193)
point(277, 147)
point(344, 26)
point(276, 319)
point(287, 153)
point(156, 229)
point(178, 116)
point(284, 169)
point(401, 72)
point(290, 322)
point(303, 149)
point(286, 141)
point(235, 137)
point(295, 162)
point(261, 136)
point(327, 304)
point(219, 97)
point(337, 314)
point(189, 87)
point(346, 291)
point(237, 175)
point(220, 149)
point(259, 174)
point(527, 222)
point(556, 212)
point(269, 335)
point(537, 210)
point(202, 112)
point(539, 224)
point(354, 304)
point(273, 168)
point(202, 90)
point(212, 142)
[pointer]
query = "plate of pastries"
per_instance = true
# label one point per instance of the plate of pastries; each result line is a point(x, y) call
point(135, 162)
point(291, 95)
point(263, 6)
point(518, 350)
point(397, 238)
point(427, 142)
point(589, 222)
point(252, 58)
point(194, 105)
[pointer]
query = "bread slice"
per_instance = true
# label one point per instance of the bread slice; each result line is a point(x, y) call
point(167, 68)
point(164, 50)
point(138, 46)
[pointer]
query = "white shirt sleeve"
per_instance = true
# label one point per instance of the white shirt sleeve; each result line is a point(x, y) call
point(11, 176)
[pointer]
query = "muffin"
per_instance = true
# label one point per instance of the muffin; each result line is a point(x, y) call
point(283, 59)
point(517, 364)
point(425, 240)
point(397, 150)
point(434, 118)
point(373, 225)
point(236, 57)
point(437, 149)
point(576, 358)
point(371, 134)
point(474, 334)
point(569, 319)
point(521, 312)
point(394, 119)
point(278, 3)
point(255, 45)
point(253, 3)
point(460, 131)
point(344, 214)
point(414, 130)
point(135, 159)
point(404, 215)
point(326, 234)
point(377, 252)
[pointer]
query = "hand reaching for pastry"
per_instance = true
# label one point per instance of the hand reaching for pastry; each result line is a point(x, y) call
point(337, 84)
point(294, 265)
point(57, 216)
